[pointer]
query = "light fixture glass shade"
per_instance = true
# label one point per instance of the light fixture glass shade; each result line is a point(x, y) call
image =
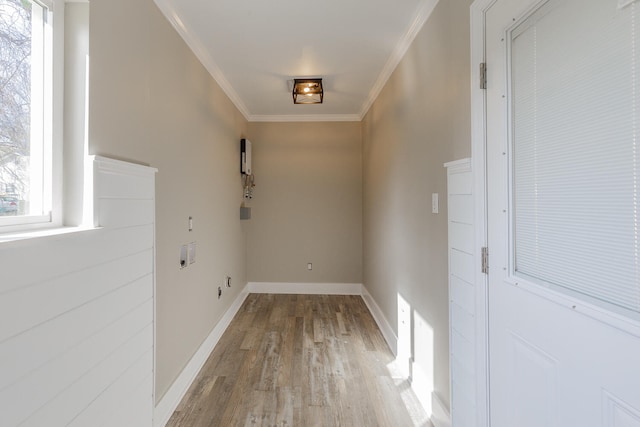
point(307, 91)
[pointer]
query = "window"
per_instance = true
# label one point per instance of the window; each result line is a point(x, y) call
point(576, 152)
point(26, 104)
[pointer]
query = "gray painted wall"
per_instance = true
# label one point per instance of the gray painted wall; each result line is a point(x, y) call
point(308, 203)
point(420, 121)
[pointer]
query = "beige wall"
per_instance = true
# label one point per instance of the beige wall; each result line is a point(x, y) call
point(151, 101)
point(308, 203)
point(420, 121)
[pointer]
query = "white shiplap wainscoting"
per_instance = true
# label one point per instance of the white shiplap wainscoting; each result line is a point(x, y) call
point(77, 312)
point(462, 336)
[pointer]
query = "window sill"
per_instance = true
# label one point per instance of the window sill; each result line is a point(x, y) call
point(40, 233)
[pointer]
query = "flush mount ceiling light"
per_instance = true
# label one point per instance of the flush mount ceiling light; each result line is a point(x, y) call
point(307, 91)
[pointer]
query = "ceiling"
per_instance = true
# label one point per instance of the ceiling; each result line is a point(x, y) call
point(254, 49)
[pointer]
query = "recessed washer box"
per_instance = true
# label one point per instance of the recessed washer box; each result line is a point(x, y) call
point(183, 256)
point(192, 252)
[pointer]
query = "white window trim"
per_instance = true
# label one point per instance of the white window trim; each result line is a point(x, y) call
point(58, 7)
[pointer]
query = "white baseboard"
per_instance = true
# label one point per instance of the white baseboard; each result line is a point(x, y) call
point(440, 416)
point(387, 331)
point(305, 288)
point(169, 402)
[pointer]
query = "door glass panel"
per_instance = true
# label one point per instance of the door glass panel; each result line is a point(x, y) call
point(575, 129)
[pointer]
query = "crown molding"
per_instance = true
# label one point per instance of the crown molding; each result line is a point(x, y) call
point(202, 54)
point(306, 118)
point(423, 13)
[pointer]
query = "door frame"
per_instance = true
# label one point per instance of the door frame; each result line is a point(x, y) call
point(478, 155)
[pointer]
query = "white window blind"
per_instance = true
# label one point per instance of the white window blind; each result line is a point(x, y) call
point(575, 103)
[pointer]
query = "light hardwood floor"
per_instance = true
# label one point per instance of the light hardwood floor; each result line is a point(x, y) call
point(300, 360)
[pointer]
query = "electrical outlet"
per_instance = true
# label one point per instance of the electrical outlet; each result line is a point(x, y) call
point(309, 266)
point(227, 281)
point(219, 292)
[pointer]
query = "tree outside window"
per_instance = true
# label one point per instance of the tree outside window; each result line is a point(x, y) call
point(23, 112)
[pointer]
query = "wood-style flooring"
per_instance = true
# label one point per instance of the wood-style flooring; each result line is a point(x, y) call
point(300, 360)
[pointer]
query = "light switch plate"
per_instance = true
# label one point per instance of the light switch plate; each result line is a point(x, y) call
point(435, 208)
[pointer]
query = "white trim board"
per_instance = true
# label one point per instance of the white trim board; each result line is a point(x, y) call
point(305, 288)
point(170, 401)
point(385, 327)
point(478, 165)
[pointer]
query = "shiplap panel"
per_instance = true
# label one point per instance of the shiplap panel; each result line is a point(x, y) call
point(464, 409)
point(67, 405)
point(127, 410)
point(461, 348)
point(76, 313)
point(462, 265)
point(462, 294)
point(32, 305)
point(54, 256)
point(118, 186)
point(465, 381)
point(460, 183)
point(463, 322)
point(462, 271)
point(123, 181)
point(464, 414)
point(461, 208)
point(47, 365)
point(117, 213)
point(459, 237)
point(117, 394)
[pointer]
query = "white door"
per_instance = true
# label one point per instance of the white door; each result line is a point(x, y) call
point(563, 188)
